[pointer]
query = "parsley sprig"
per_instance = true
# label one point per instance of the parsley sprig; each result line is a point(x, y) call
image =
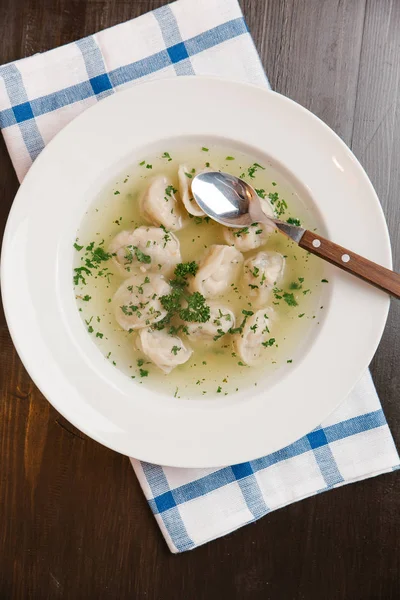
point(180, 303)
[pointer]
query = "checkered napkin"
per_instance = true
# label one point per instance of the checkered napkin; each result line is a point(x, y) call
point(41, 94)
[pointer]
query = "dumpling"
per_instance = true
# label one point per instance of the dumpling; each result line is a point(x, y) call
point(219, 268)
point(220, 321)
point(164, 350)
point(256, 336)
point(254, 236)
point(260, 274)
point(159, 204)
point(137, 302)
point(185, 190)
point(248, 238)
point(146, 248)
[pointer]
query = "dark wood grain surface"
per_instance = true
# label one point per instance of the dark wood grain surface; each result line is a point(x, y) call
point(73, 521)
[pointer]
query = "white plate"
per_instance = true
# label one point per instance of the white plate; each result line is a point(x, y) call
point(37, 270)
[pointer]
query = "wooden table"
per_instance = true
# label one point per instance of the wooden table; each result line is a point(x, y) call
point(73, 520)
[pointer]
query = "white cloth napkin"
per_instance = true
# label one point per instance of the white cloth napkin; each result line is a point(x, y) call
point(41, 94)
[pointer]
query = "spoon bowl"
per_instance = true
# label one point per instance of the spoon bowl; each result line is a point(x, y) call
point(225, 198)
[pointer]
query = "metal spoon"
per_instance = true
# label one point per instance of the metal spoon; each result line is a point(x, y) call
point(234, 203)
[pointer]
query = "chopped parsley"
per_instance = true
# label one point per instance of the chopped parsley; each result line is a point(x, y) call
point(77, 247)
point(175, 350)
point(219, 389)
point(184, 269)
point(253, 169)
point(167, 156)
point(269, 343)
point(79, 275)
point(189, 175)
point(241, 232)
point(86, 298)
point(262, 193)
point(197, 310)
point(230, 158)
point(188, 307)
point(289, 299)
point(142, 163)
point(278, 203)
point(143, 372)
point(239, 329)
point(116, 193)
point(324, 281)
point(220, 333)
point(205, 149)
point(170, 190)
point(293, 221)
point(100, 255)
point(140, 256)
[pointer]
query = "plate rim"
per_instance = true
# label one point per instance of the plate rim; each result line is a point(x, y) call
point(32, 174)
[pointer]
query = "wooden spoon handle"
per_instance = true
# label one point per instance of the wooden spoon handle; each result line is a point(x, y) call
point(380, 277)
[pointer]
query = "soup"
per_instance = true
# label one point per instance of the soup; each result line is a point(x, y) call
point(182, 304)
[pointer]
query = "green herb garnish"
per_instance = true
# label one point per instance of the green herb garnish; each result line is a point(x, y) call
point(289, 299)
point(279, 204)
point(170, 190)
point(197, 310)
point(184, 269)
point(253, 169)
point(140, 256)
point(79, 275)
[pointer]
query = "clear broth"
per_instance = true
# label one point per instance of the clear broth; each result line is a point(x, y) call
point(215, 369)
